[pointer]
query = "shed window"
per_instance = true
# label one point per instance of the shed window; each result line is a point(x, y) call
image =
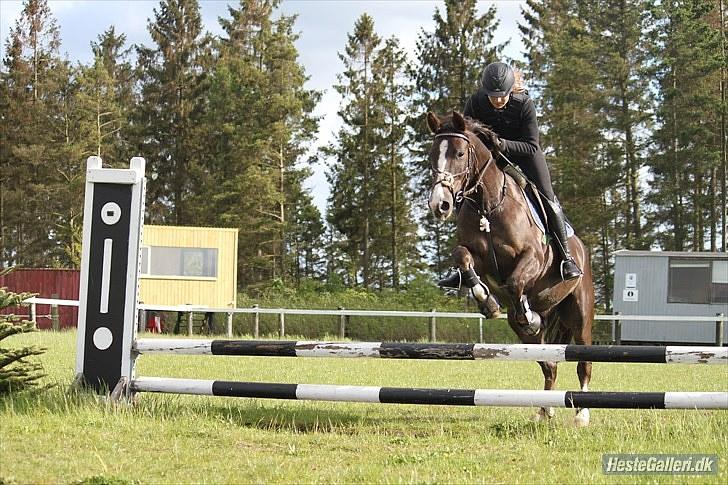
point(698, 281)
point(183, 262)
point(719, 282)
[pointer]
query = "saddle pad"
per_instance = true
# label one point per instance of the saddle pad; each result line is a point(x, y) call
point(537, 216)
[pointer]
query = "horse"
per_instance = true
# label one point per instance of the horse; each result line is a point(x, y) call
point(501, 253)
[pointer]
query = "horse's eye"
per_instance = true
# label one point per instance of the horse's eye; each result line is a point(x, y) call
point(461, 154)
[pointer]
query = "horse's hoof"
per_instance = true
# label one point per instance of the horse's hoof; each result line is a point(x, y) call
point(490, 308)
point(533, 328)
point(581, 420)
point(543, 414)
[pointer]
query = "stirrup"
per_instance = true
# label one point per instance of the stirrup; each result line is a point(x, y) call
point(571, 273)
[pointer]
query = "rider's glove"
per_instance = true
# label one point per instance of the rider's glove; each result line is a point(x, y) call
point(494, 142)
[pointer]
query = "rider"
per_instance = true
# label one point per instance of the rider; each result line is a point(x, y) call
point(504, 105)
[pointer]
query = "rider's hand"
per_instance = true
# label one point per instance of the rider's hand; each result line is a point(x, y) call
point(494, 142)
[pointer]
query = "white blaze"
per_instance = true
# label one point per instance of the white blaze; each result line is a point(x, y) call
point(443, 159)
point(438, 192)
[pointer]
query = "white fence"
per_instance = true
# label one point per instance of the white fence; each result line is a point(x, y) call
point(344, 315)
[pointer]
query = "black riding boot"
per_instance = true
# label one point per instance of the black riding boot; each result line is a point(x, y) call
point(452, 281)
point(569, 269)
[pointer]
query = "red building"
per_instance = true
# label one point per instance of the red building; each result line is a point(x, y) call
point(47, 283)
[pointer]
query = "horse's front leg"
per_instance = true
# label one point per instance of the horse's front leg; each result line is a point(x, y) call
point(526, 269)
point(487, 304)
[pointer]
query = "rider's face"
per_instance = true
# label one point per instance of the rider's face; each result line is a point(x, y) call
point(498, 102)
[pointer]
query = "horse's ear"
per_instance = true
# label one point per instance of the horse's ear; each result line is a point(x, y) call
point(433, 122)
point(458, 121)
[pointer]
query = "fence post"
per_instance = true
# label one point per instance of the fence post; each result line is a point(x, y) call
point(256, 323)
point(719, 330)
point(480, 330)
point(190, 316)
point(617, 329)
point(281, 325)
point(33, 313)
point(141, 320)
point(230, 324)
point(342, 323)
point(55, 322)
point(433, 327)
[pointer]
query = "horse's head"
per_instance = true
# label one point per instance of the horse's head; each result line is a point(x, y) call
point(454, 159)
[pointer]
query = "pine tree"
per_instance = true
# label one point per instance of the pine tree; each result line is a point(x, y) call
point(35, 153)
point(170, 108)
point(259, 123)
point(561, 51)
point(450, 61)
point(111, 52)
point(395, 234)
point(721, 20)
point(17, 373)
point(686, 158)
point(622, 32)
point(351, 175)
point(305, 239)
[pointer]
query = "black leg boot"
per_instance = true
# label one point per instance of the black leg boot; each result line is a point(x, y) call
point(569, 268)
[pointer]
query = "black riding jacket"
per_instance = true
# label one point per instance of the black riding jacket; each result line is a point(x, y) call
point(517, 126)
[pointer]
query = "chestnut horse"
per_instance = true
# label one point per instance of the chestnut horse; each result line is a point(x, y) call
point(501, 252)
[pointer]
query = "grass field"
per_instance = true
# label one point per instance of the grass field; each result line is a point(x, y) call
point(61, 437)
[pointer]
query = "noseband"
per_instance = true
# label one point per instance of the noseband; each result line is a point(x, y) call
point(446, 179)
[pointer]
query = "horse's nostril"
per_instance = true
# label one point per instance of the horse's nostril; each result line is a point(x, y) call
point(444, 206)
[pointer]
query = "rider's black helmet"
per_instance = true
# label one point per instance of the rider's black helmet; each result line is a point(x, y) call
point(498, 79)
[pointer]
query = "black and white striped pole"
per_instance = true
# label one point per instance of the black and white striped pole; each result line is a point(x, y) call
point(112, 230)
point(448, 397)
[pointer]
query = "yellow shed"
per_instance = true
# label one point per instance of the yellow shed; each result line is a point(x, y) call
point(189, 266)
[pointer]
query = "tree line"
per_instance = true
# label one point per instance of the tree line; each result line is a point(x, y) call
point(631, 97)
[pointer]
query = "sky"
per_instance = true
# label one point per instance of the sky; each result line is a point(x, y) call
point(323, 26)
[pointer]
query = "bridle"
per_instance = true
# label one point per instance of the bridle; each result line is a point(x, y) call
point(472, 180)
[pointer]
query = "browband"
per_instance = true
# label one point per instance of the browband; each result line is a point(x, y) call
point(458, 135)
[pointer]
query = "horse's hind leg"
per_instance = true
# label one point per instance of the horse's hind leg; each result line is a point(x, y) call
point(549, 376)
point(556, 333)
point(547, 368)
point(583, 371)
point(487, 303)
point(579, 317)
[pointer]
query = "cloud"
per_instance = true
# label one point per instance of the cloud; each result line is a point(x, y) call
point(324, 33)
point(323, 27)
point(9, 13)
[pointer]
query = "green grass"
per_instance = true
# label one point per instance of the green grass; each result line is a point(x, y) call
point(61, 437)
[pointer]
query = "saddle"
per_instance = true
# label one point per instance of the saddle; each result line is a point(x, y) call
point(533, 200)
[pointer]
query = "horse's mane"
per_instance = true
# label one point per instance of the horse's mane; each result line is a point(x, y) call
point(474, 126)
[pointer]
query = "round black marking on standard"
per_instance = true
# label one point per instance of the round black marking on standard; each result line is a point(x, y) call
point(111, 213)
